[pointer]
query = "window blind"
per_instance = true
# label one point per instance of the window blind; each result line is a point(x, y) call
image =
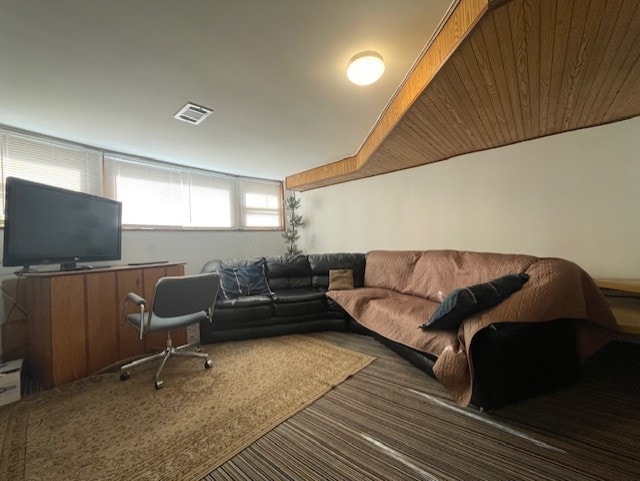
point(261, 203)
point(212, 200)
point(49, 162)
point(153, 193)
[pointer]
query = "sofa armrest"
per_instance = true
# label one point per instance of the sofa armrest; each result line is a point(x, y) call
point(513, 361)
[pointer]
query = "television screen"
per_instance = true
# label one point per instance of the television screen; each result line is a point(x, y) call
point(48, 225)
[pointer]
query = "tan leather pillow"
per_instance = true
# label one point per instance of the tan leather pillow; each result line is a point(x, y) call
point(340, 279)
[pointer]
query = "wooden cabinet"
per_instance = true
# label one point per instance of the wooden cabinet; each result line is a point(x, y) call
point(74, 320)
point(14, 325)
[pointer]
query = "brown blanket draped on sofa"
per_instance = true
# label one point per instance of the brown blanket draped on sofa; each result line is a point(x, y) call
point(403, 288)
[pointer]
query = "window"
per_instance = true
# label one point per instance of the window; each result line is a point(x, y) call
point(261, 202)
point(49, 162)
point(150, 194)
point(213, 200)
point(156, 194)
point(153, 194)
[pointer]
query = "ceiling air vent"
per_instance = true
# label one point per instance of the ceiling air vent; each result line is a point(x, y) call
point(193, 114)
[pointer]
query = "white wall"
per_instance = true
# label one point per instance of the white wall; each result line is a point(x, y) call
point(193, 247)
point(574, 195)
point(196, 248)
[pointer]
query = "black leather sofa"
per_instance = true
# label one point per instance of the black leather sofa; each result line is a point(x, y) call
point(295, 301)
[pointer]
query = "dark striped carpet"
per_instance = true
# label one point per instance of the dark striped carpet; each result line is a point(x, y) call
point(392, 422)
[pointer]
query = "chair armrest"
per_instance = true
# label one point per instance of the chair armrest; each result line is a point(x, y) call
point(136, 299)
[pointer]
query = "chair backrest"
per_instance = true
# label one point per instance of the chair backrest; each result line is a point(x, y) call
point(178, 296)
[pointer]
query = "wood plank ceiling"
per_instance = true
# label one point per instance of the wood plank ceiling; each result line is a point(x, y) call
point(500, 72)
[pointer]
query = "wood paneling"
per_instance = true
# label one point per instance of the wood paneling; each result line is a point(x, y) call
point(459, 22)
point(39, 330)
point(67, 310)
point(102, 332)
point(129, 342)
point(499, 73)
point(15, 337)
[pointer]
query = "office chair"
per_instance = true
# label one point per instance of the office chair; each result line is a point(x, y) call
point(177, 302)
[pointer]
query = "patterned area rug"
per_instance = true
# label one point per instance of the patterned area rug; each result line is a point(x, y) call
point(102, 428)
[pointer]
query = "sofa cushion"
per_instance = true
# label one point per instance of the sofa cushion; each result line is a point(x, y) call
point(239, 316)
point(333, 306)
point(340, 279)
point(288, 272)
point(299, 309)
point(395, 316)
point(252, 278)
point(229, 284)
point(243, 301)
point(322, 263)
point(242, 278)
point(214, 265)
point(425, 273)
point(462, 303)
point(284, 296)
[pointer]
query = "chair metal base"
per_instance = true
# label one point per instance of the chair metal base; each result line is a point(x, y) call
point(164, 355)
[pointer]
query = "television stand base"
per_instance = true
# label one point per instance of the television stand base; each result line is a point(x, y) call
point(72, 266)
point(24, 270)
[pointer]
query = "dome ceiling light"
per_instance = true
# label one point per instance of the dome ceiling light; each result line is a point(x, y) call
point(365, 68)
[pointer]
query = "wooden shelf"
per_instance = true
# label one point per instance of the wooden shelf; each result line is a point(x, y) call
point(624, 285)
point(623, 296)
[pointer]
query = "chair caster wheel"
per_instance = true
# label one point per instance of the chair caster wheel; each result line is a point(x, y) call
point(125, 375)
point(208, 364)
point(159, 385)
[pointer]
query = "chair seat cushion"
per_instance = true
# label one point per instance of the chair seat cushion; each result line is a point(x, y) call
point(163, 324)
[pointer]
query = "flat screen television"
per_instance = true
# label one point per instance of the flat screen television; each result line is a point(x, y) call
point(49, 225)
